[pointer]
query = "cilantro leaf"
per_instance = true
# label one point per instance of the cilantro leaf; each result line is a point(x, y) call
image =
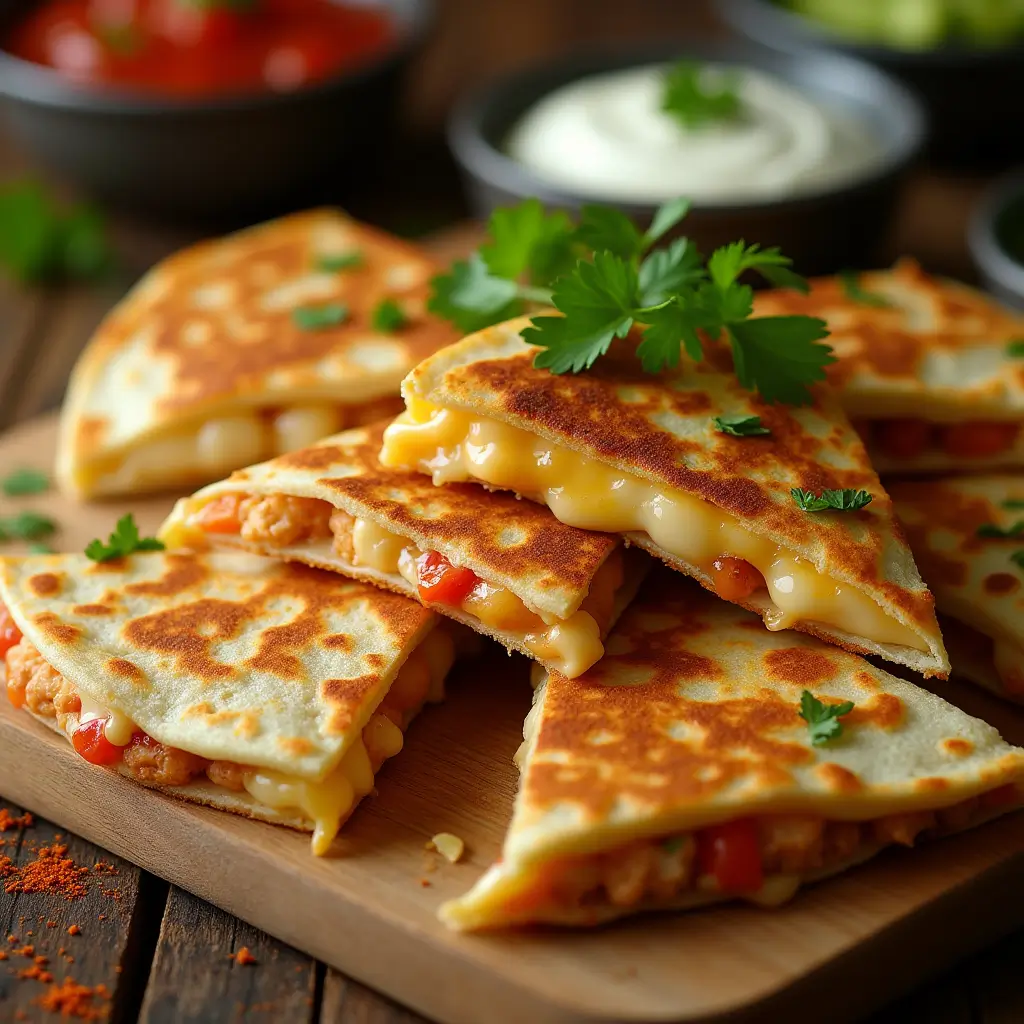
point(597, 302)
point(991, 530)
point(667, 271)
point(1014, 504)
point(659, 346)
point(472, 298)
point(604, 228)
point(741, 426)
point(317, 318)
point(665, 218)
point(330, 263)
point(846, 500)
point(526, 240)
point(1015, 348)
point(26, 526)
point(124, 540)
point(388, 316)
point(1018, 559)
point(730, 261)
point(850, 281)
point(24, 481)
point(696, 99)
point(823, 719)
point(780, 355)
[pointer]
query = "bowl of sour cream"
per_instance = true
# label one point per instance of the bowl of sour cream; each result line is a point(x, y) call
point(807, 152)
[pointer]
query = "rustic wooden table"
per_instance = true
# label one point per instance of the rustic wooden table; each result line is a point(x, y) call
point(164, 955)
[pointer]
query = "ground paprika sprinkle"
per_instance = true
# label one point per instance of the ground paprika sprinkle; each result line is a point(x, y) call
point(8, 821)
point(53, 871)
point(80, 1002)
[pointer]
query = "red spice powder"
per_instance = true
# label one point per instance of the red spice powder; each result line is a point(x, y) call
point(73, 929)
point(3, 954)
point(80, 1002)
point(9, 821)
point(53, 871)
point(244, 956)
point(36, 973)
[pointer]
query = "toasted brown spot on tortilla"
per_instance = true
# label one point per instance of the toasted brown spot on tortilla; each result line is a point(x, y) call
point(1001, 583)
point(92, 609)
point(296, 745)
point(126, 668)
point(54, 629)
point(339, 642)
point(45, 584)
point(884, 710)
point(957, 747)
point(183, 573)
point(838, 778)
point(932, 784)
point(800, 666)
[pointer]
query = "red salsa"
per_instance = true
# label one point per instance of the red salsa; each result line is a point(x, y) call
point(199, 47)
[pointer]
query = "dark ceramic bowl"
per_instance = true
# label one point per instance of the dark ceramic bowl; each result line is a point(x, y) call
point(208, 157)
point(822, 232)
point(996, 237)
point(971, 94)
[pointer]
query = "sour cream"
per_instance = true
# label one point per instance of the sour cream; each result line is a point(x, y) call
point(606, 136)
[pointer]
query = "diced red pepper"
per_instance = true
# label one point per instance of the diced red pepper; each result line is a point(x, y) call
point(979, 439)
point(735, 579)
point(90, 741)
point(440, 582)
point(902, 439)
point(10, 635)
point(731, 854)
point(221, 515)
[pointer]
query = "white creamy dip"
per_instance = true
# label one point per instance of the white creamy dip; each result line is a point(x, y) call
point(607, 136)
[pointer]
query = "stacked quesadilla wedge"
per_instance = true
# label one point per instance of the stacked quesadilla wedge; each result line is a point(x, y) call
point(245, 347)
point(968, 536)
point(645, 456)
point(930, 371)
point(507, 568)
point(679, 770)
point(269, 690)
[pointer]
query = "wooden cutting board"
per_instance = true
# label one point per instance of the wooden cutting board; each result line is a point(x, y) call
point(841, 948)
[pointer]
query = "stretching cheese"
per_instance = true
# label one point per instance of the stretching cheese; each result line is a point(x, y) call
point(572, 645)
point(119, 728)
point(451, 445)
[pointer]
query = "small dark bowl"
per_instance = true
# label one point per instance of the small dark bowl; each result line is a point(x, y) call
point(997, 224)
point(822, 232)
point(971, 94)
point(208, 157)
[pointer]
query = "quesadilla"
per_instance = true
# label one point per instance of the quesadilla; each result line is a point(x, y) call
point(507, 568)
point(270, 690)
point(705, 758)
point(967, 534)
point(245, 347)
point(626, 452)
point(930, 371)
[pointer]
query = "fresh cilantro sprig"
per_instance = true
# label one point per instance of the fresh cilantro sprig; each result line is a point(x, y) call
point(855, 292)
point(1014, 504)
point(741, 426)
point(1015, 348)
point(992, 530)
point(24, 481)
point(26, 526)
point(695, 98)
point(124, 540)
point(846, 500)
point(331, 263)
point(1018, 559)
point(318, 318)
point(823, 719)
point(388, 316)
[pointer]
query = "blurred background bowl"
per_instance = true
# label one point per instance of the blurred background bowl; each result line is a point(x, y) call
point(971, 94)
point(216, 157)
point(822, 232)
point(996, 238)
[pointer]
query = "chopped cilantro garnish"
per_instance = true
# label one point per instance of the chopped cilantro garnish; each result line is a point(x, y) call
point(24, 481)
point(673, 844)
point(124, 540)
point(823, 719)
point(316, 318)
point(846, 500)
point(341, 261)
point(1014, 504)
point(388, 316)
point(40, 548)
point(855, 293)
point(1015, 348)
point(1018, 559)
point(991, 530)
point(695, 98)
point(741, 426)
point(39, 241)
point(26, 526)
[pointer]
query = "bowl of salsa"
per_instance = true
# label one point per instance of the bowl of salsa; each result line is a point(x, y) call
point(205, 106)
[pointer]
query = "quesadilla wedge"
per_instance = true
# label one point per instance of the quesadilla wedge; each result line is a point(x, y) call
point(507, 568)
point(627, 452)
point(930, 371)
point(270, 690)
point(705, 758)
point(967, 534)
point(245, 347)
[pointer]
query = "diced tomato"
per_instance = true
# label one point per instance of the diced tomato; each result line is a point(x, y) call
point(221, 515)
point(735, 579)
point(978, 439)
point(10, 635)
point(902, 439)
point(90, 742)
point(441, 582)
point(191, 25)
point(731, 854)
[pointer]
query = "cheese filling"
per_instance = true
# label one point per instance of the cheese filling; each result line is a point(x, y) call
point(571, 645)
point(450, 445)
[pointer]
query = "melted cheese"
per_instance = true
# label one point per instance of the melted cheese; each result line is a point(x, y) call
point(572, 645)
point(451, 445)
point(119, 728)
